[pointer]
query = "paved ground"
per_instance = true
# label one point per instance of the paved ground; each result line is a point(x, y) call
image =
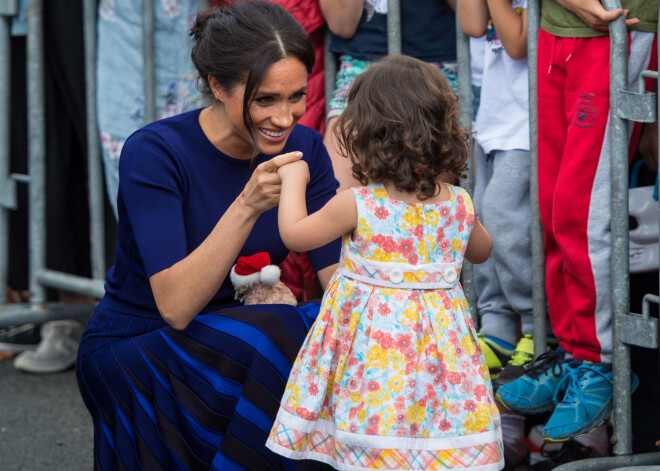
point(43, 422)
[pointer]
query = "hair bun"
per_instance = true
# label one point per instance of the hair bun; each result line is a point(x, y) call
point(203, 17)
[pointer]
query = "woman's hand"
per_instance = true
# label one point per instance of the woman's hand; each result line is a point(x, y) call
point(182, 290)
point(262, 191)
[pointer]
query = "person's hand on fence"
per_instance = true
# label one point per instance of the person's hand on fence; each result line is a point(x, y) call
point(595, 15)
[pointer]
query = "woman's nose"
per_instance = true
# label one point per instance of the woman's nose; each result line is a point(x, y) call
point(283, 117)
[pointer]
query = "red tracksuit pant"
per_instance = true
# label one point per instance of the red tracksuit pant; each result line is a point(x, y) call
point(574, 184)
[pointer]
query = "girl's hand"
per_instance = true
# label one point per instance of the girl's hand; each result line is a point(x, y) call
point(262, 191)
point(296, 169)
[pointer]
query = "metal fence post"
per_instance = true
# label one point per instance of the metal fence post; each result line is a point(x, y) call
point(149, 65)
point(7, 184)
point(394, 27)
point(539, 302)
point(94, 165)
point(465, 118)
point(619, 226)
point(36, 149)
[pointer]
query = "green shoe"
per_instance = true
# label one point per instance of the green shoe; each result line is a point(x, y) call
point(496, 354)
point(513, 370)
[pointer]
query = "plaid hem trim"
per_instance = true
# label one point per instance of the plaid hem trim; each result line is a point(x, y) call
point(323, 447)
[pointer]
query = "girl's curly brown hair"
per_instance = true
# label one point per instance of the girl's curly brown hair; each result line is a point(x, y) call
point(401, 126)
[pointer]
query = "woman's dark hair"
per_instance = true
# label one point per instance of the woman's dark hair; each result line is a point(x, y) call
point(238, 44)
point(401, 126)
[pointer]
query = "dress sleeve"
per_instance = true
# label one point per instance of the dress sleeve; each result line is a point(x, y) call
point(321, 188)
point(151, 185)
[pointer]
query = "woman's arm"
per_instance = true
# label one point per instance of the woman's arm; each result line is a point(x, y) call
point(473, 15)
point(182, 290)
point(301, 232)
point(342, 16)
point(510, 26)
point(480, 243)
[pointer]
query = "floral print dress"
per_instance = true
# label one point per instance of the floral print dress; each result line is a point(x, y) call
point(391, 375)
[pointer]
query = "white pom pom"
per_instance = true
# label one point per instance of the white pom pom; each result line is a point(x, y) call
point(243, 281)
point(270, 274)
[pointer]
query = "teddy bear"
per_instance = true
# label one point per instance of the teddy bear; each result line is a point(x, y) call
point(256, 281)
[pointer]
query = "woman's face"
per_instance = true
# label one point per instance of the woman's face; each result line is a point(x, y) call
point(277, 106)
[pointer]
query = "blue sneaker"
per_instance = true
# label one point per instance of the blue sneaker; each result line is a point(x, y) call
point(536, 391)
point(587, 402)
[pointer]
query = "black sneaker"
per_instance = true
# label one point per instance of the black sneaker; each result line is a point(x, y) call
point(17, 338)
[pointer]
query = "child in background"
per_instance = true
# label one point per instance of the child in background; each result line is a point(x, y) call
point(501, 193)
point(501, 197)
point(359, 38)
point(574, 158)
point(391, 371)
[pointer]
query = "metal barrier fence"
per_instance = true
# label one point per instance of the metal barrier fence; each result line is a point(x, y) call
point(40, 277)
point(629, 329)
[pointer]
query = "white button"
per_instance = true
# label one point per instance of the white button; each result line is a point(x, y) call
point(396, 276)
point(450, 275)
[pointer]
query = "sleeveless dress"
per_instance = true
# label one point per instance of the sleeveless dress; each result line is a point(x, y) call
point(391, 375)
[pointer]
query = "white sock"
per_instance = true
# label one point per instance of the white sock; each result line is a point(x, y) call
point(513, 431)
point(596, 439)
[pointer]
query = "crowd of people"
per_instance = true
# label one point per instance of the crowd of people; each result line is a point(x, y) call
point(387, 370)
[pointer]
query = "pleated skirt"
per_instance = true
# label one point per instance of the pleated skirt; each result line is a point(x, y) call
point(204, 398)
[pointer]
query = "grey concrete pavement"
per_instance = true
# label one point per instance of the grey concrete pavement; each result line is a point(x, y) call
point(44, 425)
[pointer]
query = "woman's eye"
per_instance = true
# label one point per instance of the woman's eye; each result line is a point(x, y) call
point(265, 100)
point(298, 96)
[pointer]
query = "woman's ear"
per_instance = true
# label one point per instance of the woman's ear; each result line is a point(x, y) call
point(217, 89)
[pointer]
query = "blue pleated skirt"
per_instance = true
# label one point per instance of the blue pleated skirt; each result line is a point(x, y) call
point(203, 398)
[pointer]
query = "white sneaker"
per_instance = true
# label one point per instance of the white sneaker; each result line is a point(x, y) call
point(57, 350)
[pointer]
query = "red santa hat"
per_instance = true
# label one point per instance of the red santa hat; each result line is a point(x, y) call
point(254, 269)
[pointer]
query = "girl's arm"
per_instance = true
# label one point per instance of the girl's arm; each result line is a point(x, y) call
point(480, 243)
point(342, 16)
point(301, 232)
point(182, 290)
point(510, 26)
point(473, 15)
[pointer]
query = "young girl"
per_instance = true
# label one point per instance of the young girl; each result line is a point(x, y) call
point(391, 375)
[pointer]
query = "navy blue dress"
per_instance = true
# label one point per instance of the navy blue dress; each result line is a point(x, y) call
point(204, 397)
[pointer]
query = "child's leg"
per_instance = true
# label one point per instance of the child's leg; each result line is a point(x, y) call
point(582, 199)
point(552, 126)
point(506, 203)
point(495, 314)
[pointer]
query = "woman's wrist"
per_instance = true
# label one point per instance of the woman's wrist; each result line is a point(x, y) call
point(242, 211)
